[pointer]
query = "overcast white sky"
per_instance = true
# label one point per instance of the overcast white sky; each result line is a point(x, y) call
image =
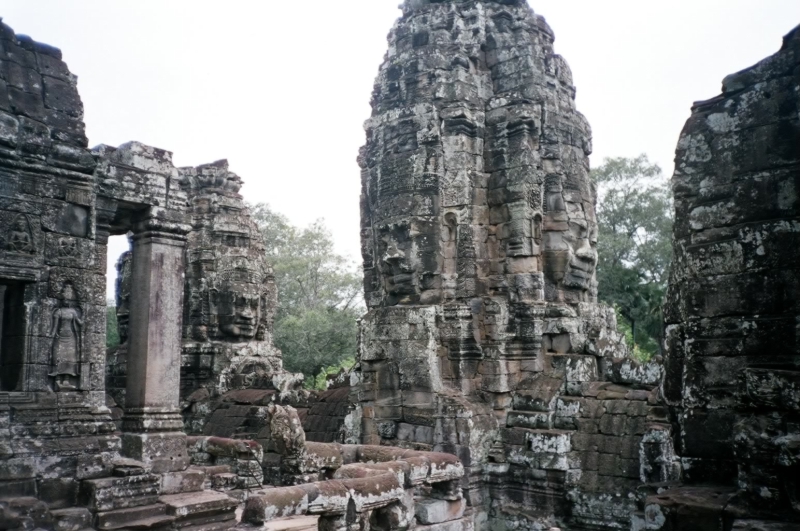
point(281, 88)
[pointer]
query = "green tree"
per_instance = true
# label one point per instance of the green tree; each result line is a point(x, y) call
point(319, 294)
point(112, 334)
point(634, 214)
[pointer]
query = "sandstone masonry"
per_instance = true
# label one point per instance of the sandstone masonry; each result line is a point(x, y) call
point(492, 391)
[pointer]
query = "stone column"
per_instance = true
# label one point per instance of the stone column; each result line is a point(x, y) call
point(152, 423)
point(95, 358)
point(2, 354)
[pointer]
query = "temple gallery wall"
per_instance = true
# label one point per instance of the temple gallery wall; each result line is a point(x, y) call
point(491, 391)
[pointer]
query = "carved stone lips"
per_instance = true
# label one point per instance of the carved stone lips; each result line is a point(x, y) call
point(580, 269)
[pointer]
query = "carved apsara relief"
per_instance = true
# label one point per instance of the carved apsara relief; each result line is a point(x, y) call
point(67, 335)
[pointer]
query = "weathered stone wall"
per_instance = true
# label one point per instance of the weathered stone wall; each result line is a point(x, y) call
point(732, 369)
point(370, 487)
point(63, 465)
point(483, 336)
point(53, 426)
point(325, 420)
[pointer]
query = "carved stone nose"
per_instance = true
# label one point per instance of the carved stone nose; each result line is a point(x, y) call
point(392, 255)
point(586, 253)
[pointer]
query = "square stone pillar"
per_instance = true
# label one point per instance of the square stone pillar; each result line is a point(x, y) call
point(152, 425)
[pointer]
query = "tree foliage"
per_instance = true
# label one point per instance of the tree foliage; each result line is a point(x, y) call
point(319, 294)
point(112, 333)
point(634, 214)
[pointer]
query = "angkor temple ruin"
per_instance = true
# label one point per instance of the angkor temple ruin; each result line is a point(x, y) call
point(491, 391)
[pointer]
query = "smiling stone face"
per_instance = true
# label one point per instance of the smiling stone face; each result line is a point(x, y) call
point(569, 246)
point(395, 247)
point(238, 301)
point(239, 312)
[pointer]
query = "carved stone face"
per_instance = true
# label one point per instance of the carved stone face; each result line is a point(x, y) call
point(68, 293)
point(395, 263)
point(239, 312)
point(569, 246)
point(581, 240)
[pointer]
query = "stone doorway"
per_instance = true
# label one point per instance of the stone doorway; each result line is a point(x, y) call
point(12, 334)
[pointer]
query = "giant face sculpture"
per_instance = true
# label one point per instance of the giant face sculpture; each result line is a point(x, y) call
point(500, 149)
point(239, 311)
point(398, 273)
point(238, 301)
point(569, 244)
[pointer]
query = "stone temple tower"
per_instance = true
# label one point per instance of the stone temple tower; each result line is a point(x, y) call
point(479, 244)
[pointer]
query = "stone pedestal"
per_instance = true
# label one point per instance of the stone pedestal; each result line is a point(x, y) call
point(152, 423)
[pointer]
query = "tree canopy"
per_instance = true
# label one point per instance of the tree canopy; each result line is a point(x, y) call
point(634, 214)
point(319, 294)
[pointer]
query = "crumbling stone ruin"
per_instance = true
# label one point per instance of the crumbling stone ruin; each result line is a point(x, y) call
point(484, 337)
point(63, 464)
point(492, 390)
point(230, 300)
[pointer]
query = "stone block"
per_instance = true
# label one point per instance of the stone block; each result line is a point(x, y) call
point(17, 469)
point(430, 511)
point(773, 388)
point(94, 466)
point(58, 493)
point(120, 518)
point(182, 482)
point(612, 424)
point(708, 434)
point(18, 488)
point(530, 419)
point(165, 452)
point(688, 509)
point(183, 505)
point(763, 525)
point(387, 430)
point(221, 523)
point(548, 441)
point(72, 519)
point(62, 96)
point(107, 494)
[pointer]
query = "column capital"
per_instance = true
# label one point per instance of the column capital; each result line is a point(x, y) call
point(160, 223)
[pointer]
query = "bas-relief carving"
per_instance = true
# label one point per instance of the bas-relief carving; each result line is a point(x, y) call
point(395, 251)
point(20, 239)
point(16, 234)
point(230, 287)
point(231, 298)
point(535, 218)
point(67, 334)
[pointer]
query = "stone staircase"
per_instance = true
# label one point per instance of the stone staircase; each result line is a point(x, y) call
point(133, 499)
